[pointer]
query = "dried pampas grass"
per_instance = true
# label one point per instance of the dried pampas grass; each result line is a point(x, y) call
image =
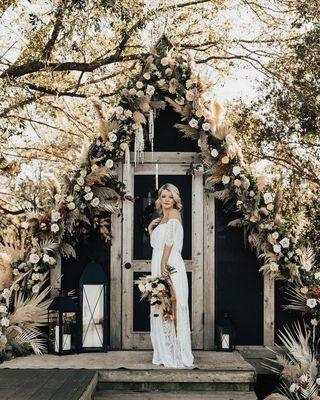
point(6, 276)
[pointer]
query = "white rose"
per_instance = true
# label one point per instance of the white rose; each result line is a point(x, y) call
point(34, 258)
point(236, 170)
point(225, 179)
point(239, 203)
point(314, 322)
point(304, 290)
point(124, 146)
point(141, 287)
point(237, 182)
point(225, 159)
point(252, 193)
point(193, 123)
point(109, 163)
point(57, 197)
point(5, 321)
point(168, 71)
point(277, 248)
point(88, 196)
point(69, 198)
point(119, 110)
point(190, 95)
point(161, 82)
point(35, 289)
point(80, 181)
point(71, 206)
point(273, 267)
point(270, 207)
point(214, 152)
point(317, 275)
point(112, 137)
point(132, 91)
point(54, 228)
point(139, 85)
point(46, 257)
point(285, 242)
point(35, 276)
point(189, 83)
point(77, 187)
point(5, 293)
point(128, 113)
point(55, 216)
point(150, 90)
point(164, 61)
point(140, 93)
point(311, 303)
point(95, 202)
point(267, 198)
point(52, 260)
point(206, 126)
point(83, 173)
point(147, 76)
point(294, 387)
point(87, 189)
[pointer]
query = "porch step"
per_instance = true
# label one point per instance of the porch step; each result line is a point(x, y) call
point(199, 395)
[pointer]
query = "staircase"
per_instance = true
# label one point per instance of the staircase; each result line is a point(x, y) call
point(217, 376)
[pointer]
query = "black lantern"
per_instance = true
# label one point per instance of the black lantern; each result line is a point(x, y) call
point(62, 323)
point(93, 305)
point(225, 334)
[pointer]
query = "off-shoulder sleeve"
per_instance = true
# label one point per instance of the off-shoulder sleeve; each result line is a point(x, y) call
point(170, 232)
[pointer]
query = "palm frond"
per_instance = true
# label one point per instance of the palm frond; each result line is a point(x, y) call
point(187, 131)
point(183, 110)
point(236, 222)
point(14, 249)
point(98, 177)
point(307, 258)
point(67, 250)
point(109, 199)
point(47, 245)
point(31, 337)
point(223, 195)
point(297, 301)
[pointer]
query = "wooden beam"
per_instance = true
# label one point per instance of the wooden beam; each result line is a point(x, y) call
point(268, 310)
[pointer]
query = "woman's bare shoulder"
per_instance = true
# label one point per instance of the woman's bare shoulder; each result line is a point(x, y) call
point(174, 214)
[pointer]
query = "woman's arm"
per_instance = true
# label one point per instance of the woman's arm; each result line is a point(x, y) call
point(164, 259)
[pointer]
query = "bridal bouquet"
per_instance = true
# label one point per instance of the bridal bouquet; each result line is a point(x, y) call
point(159, 291)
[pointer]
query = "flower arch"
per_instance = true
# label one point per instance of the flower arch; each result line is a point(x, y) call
point(167, 76)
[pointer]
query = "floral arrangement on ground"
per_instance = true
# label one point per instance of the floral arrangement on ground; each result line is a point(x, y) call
point(87, 197)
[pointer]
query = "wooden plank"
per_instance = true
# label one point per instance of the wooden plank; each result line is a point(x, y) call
point(268, 310)
point(168, 157)
point(116, 277)
point(197, 256)
point(49, 382)
point(209, 271)
point(163, 169)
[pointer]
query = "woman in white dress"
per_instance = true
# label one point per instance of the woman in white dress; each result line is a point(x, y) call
point(171, 343)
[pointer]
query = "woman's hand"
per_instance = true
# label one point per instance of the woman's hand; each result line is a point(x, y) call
point(164, 270)
point(153, 224)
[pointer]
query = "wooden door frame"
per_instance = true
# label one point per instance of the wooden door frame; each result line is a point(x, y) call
point(117, 258)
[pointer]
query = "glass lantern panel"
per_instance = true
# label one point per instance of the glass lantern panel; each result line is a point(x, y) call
point(92, 316)
point(53, 325)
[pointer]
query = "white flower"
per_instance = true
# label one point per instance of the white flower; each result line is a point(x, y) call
point(124, 146)
point(112, 137)
point(252, 193)
point(190, 95)
point(285, 242)
point(119, 110)
point(317, 275)
point(237, 182)
point(230, 138)
point(54, 228)
point(5, 293)
point(35, 276)
point(147, 76)
point(95, 202)
point(16, 271)
point(5, 321)
point(46, 257)
point(25, 225)
point(128, 113)
point(277, 248)
point(71, 206)
point(168, 71)
point(270, 207)
point(55, 216)
point(35, 289)
point(109, 163)
point(52, 260)
point(132, 91)
point(34, 258)
point(80, 181)
point(225, 159)
point(180, 101)
point(304, 290)
point(273, 266)
point(140, 93)
point(239, 203)
point(139, 85)
point(164, 61)
point(193, 123)
point(83, 173)
point(294, 387)
point(150, 90)
point(3, 309)
point(161, 82)
point(88, 196)
point(275, 235)
point(206, 126)
point(245, 182)
point(311, 303)
point(225, 179)
point(77, 187)
point(314, 322)
point(57, 197)
point(267, 198)
point(94, 167)
point(318, 381)
point(87, 189)
point(236, 170)
point(214, 152)
point(189, 83)
point(69, 198)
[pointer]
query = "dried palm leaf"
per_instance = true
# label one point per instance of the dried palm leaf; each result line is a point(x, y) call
point(307, 258)
point(109, 199)
point(160, 104)
point(296, 298)
point(66, 250)
point(187, 131)
point(223, 195)
point(47, 245)
point(139, 118)
point(29, 337)
point(98, 177)
point(15, 249)
point(53, 185)
point(183, 110)
point(236, 222)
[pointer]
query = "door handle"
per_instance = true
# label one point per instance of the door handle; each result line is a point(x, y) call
point(127, 265)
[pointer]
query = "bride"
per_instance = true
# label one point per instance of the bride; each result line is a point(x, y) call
point(171, 342)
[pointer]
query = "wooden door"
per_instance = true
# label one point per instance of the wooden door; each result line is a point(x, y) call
point(136, 249)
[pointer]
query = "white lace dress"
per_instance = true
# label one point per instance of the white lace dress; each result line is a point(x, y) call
point(171, 348)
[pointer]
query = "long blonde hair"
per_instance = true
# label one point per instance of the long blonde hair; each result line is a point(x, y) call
point(176, 197)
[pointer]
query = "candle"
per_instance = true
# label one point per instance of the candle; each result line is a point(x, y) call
point(157, 176)
point(225, 340)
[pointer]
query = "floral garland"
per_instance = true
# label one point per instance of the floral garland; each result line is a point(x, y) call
point(93, 191)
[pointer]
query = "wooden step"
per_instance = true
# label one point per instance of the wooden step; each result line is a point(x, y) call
point(199, 395)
